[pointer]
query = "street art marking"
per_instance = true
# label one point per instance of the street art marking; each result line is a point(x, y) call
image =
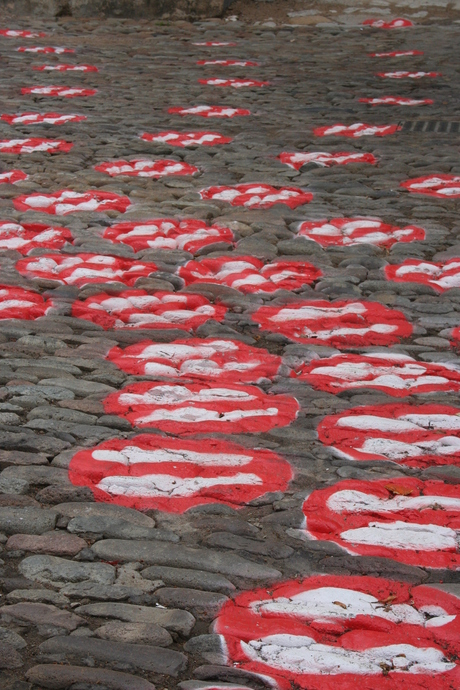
point(411, 435)
point(194, 408)
point(150, 472)
point(344, 632)
point(37, 118)
point(66, 201)
point(412, 521)
point(394, 374)
point(250, 275)
point(19, 146)
point(59, 91)
point(344, 232)
point(441, 186)
point(325, 159)
point(194, 359)
point(142, 167)
point(85, 269)
point(440, 276)
point(17, 303)
point(359, 129)
point(339, 324)
point(203, 138)
point(132, 309)
point(189, 234)
point(27, 236)
point(210, 111)
point(258, 195)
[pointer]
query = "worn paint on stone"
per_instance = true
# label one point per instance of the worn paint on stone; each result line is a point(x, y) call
point(340, 324)
point(132, 309)
point(84, 269)
point(412, 521)
point(258, 195)
point(224, 361)
point(343, 232)
point(152, 472)
point(341, 631)
point(412, 435)
point(250, 275)
point(394, 374)
point(67, 201)
point(359, 129)
point(24, 238)
point(192, 408)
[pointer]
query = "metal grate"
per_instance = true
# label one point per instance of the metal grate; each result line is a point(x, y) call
point(431, 126)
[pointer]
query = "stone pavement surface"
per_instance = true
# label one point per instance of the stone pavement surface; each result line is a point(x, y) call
point(229, 336)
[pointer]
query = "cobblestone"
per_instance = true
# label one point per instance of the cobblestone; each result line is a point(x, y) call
point(186, 552)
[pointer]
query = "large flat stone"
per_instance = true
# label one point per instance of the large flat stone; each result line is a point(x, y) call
point(16, 457)
point(135, 656)
point(203, 605)
point(159, 553)
point(135, 633)
point(73, 510)
point(59, 572)
point(42, 614)
point(57, 677)
point(52, 543)
point(172, 619)
point(27, 520)
point(185, 577)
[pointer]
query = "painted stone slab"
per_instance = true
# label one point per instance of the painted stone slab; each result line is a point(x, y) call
point(402, 74)
point(13, 176)
point(65, 68)
point(59, 91)
point(37, 118)
point(15, 33)
point(339, 324)
point(33, 145)
point(344, 232)
point(398, 23)
point(210, 111)
point(142, 167)
point(250, 275)
point(214, 44)
point(412, 521)
point(27, 236)
point(397, 53)
point(194, 359)
point(17, 303)
point(411, 435)
point(396, 100)
point(229, 63)
point(325, 159)
point(168, 233)
point(233, 83)
point(85, 269)
point(394, 374)
point(345, 632)
point(358, 129)
point(150, 472)
point(194, 408)
point(441, 186)
point(258, 195)
point(56, 50)
point(440, 276)
point(185, 139)
point(132, 309)
point(67, 201)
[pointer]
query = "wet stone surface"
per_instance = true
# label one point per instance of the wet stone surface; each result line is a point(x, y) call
point(229, 352)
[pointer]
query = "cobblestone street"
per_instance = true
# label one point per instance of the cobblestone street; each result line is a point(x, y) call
point(229, 350)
